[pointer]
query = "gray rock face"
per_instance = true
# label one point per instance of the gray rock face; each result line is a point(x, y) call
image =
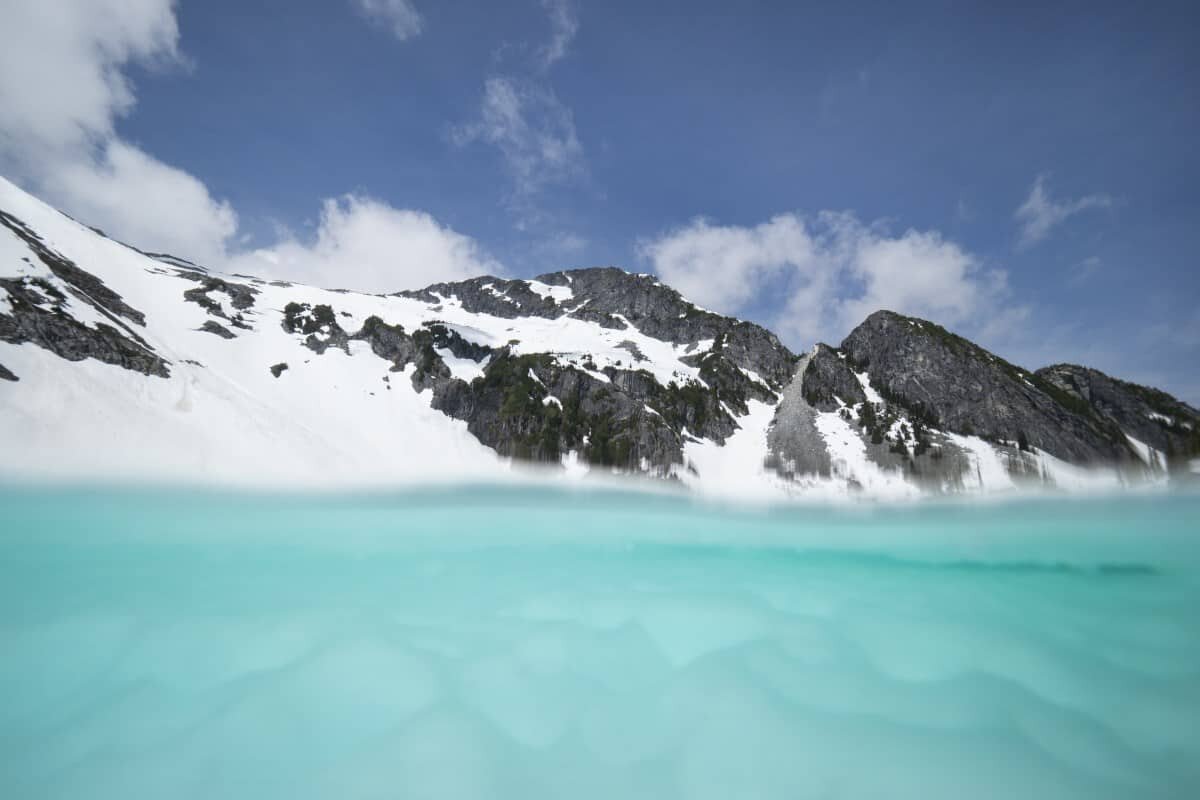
point(1149, 415)
point(828, 376)
point(661, 312)
point(617, 299)
point(218, 329)
point(794, 446)
point(963, 388)
point(533, 407)
point(823, 377)
point(630, 422)
point(38, 314)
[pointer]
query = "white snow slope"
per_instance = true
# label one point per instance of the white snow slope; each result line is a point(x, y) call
point(222, 416)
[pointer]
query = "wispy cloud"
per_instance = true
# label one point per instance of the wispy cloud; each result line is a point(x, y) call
point(533, 130)
point(1040, 213)
point(400, 17)
point(1083, 272)
point(564, 24)
point(524, 119)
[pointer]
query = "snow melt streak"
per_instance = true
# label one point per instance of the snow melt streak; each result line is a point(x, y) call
point(535, 644)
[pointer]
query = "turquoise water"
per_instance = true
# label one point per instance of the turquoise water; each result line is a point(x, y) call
point(487, 643)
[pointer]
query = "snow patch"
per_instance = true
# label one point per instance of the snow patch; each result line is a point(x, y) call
point(559, 294)
point(864, 380)
point(1071, 478)
point(462, 368)
point(1149, 456)
point(989, 472)
point(849, 461)
point(736, 468)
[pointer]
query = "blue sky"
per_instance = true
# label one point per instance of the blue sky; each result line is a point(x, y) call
point(791, 163)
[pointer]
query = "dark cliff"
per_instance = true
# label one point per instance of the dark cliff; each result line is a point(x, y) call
point(960, 387)
point(1149, 415)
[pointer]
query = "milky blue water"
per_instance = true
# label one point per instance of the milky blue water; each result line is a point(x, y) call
point(487, 643)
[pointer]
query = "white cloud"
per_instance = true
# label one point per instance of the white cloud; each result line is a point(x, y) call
point(144, 202)
point(1040, 213)
point(725, 267)
point(60, 66)
point(398, 16)
point(62, 90)
point(818, 277)
point(534, 132)
point(917, 273)
point(367, 245)
point(564, 24)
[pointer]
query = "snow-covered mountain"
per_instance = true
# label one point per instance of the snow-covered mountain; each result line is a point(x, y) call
point(117, 364)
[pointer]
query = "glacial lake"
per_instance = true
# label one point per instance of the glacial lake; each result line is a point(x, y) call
point(527, 643)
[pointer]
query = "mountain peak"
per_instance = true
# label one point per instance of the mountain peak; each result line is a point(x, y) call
point(235, 377)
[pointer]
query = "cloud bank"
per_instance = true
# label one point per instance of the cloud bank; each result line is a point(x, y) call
point(62, 91)
point(367, 245)
point(814, 278)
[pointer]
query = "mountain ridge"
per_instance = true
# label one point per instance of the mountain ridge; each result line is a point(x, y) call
point(590, 368)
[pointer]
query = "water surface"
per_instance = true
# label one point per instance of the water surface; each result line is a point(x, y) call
point(527, 643)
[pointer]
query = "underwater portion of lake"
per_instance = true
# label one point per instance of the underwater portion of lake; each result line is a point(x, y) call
point(528, 643)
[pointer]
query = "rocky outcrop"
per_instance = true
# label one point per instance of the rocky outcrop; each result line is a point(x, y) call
point(81, 283)
point(958, 386)
point(36, 315)
point(1149, 415)
point(828, 379)
point(531, 407)
point(318, 324)
point(616, 299)
point(217, 329)
point(37, 312)
point(241, 297)
point(825, 384)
